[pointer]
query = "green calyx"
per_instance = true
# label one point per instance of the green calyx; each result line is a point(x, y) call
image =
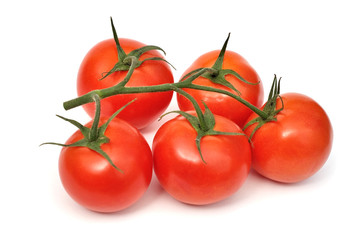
point(94, 136)
point(269, 108)
point(203, 123)
point(217, 74)
point(130, 60)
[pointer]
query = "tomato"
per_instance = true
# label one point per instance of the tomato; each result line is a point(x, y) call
point(181, 171)
point(102, 58)
point(296, 145)
point(91, 180)
point(219, 103)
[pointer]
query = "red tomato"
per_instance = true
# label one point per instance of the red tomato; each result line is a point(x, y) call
point(181, 171)
point(149, 106)
point(297, 145)
point(221, 104)
point(90, 179)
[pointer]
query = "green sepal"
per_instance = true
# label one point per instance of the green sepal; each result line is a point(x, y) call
point(75, 123)
point(138, 52)
point(219, 62)
point(98, 149)
point(193, 120)
point(269, 108)
point(225, 72)
point(157, 59)
point(194, 74)
point(105, 125)
point(121, 53)
point(119, 66)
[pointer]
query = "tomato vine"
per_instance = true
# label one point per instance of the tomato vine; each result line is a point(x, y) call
point(130, 62)
point(204, 122)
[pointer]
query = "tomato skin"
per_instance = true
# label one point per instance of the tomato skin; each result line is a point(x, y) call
point(221, 104)
point(297, 145)
point(149, 106)
point(93, 183)
point(179, 167)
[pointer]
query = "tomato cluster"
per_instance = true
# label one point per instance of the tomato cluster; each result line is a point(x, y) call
point(201, 156)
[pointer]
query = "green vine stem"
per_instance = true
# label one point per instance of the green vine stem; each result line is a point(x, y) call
point(130, 62)
point(188, 83)
point(202, 121)
point(107, 92)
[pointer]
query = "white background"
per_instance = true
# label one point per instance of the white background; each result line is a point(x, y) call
point(313, 45)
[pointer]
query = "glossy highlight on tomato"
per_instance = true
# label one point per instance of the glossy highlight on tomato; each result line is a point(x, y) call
point(296, 145)
point(219, 103)
point(181, 171)
point(102, 58)
point(91, 180)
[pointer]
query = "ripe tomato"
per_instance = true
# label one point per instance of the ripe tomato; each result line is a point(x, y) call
point(221, 104)
point(296, 145)
point(181, 171)
point(91, 180)
point(102, 58)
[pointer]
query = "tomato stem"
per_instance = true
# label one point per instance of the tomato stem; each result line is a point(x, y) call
point(93, 133)
point(198, 110)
